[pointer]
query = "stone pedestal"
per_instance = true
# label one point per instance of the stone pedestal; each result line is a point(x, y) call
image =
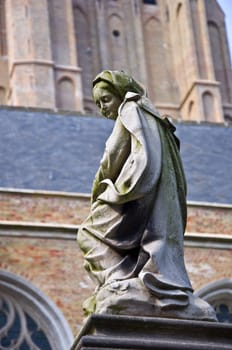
point(138, 333)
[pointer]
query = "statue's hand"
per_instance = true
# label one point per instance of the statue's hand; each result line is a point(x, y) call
point(96, 188)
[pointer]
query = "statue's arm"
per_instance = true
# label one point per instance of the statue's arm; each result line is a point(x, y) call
point(117, 150)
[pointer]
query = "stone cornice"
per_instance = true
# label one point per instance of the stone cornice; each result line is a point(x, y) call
point(16, 191)
point(24, 62)
point(201, 83)
point(39, 62)
point(69, 232)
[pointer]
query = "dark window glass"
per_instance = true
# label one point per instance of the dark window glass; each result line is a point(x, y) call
point(223, 312)
point(151, 2)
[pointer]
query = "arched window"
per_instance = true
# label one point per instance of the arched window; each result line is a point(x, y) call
point(216, 43)
point(28, 320)
point(2, 95)
point(3, 43)
point(66, 94)
point(155, 52)
point(208, 105)
point(181, 42)
point(219, 295)
point(83, 48)
point(118, 42)
point(190, 110)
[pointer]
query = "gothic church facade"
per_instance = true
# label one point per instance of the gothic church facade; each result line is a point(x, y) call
point(50, 51)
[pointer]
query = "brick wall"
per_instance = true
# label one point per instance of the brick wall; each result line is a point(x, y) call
point(209, 219)
point(58, 208)
point(43, 207)
point(207, 265)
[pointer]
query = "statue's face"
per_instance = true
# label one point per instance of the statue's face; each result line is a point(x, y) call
point(107, 102)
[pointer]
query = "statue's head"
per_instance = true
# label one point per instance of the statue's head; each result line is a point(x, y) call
point(110, 88)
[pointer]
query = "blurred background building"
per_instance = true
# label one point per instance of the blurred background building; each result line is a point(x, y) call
point(51, 50)
point(52, 138)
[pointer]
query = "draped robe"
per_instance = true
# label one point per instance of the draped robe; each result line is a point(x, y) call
point(138, 214)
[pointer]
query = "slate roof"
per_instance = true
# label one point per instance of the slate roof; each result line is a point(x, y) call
point(58, 152)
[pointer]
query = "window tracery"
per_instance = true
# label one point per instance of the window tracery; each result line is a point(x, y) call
point(18, 330)
point(3, 43)
point(219, 295)
point(28, 320)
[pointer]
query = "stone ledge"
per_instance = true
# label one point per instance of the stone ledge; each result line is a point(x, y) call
point(37, 230)
point(138, 333)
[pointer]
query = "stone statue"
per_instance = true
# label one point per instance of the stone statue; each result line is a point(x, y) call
point(133, 237)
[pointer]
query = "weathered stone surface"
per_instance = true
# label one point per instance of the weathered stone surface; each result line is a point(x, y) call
point(132, 240)
point(138, 333)
point(131, 298)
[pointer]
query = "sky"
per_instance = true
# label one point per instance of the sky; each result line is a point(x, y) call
point(226, 6)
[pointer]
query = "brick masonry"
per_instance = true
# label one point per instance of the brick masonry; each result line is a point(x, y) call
point(43, 208)
point(51, 207)
point(209, 219)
